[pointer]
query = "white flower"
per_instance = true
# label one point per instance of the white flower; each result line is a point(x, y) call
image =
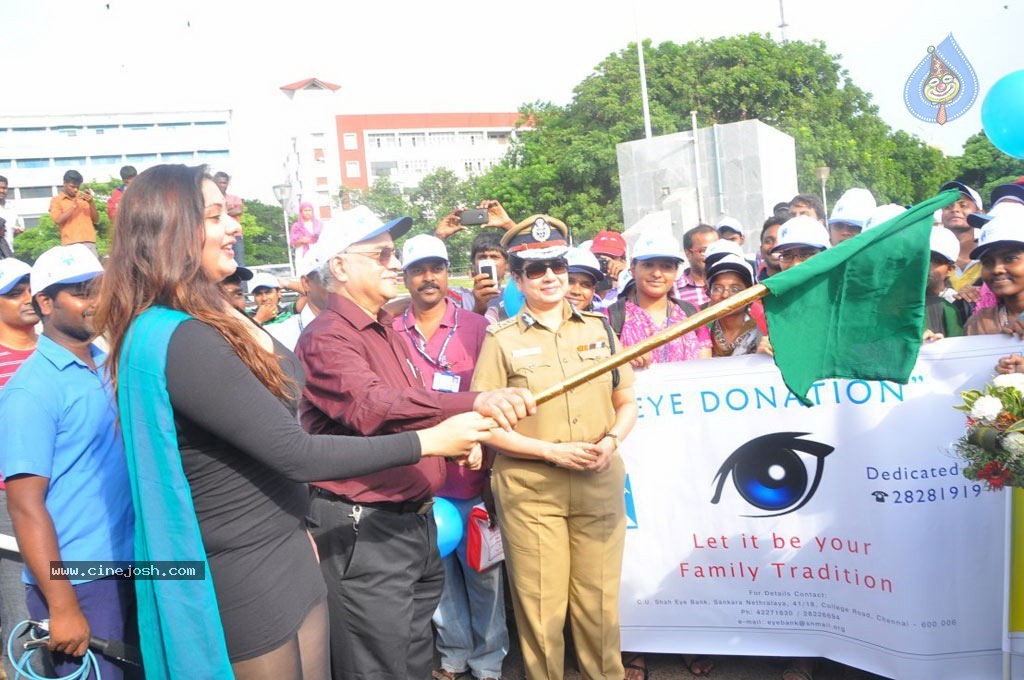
point(1010, 380)
point(1013, 442)
point(986, 408)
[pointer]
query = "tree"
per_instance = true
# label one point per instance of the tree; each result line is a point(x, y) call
point(264, 231)
point(566, 165)
point(32, 243)
point(437, 194)
point(984, 167)
point(385, 198)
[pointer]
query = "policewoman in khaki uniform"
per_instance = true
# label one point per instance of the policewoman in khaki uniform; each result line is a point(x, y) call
point(558, 484)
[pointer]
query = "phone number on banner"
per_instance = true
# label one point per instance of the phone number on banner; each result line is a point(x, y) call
point(943, 493)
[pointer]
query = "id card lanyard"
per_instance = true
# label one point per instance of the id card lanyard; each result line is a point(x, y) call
point(419, 343)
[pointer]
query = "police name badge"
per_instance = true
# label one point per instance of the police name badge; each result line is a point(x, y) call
point(445, 381)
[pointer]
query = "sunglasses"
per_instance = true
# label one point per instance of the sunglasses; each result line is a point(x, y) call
point(535, 270)
point(383, 256)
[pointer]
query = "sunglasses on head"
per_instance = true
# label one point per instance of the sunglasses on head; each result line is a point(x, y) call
point(535, 270)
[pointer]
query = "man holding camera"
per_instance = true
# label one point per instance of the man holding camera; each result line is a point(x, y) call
point(486, 252)
point(610, 250)
point(74, 211)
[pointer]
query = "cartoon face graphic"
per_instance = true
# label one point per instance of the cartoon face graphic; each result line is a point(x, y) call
point(770, 475)
point(942, 89)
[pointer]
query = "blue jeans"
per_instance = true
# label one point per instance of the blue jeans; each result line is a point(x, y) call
point(470, 619)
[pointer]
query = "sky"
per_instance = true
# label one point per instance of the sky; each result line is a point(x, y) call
point(401, 56)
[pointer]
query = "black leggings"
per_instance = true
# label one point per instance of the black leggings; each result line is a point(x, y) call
point(304, 656)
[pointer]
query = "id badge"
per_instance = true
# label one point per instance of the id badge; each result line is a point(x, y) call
point(445, 381)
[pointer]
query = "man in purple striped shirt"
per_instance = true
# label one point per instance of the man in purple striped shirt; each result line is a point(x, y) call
point(690, 284)
point(18, 341)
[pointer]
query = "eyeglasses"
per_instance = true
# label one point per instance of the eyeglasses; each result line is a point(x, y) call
point(797, 254)
point(535, 270)
point(383, 256)
point(732, 290)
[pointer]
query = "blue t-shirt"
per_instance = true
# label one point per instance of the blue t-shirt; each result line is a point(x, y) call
point(60, 422)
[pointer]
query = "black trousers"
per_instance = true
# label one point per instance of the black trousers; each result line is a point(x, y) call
point(384, 579)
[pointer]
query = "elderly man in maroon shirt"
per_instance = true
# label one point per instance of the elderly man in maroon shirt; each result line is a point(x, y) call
point(376, 534)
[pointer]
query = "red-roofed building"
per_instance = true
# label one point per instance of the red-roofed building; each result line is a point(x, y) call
point(408, 146)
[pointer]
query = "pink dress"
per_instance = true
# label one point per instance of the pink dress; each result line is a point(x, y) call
point(639, 325)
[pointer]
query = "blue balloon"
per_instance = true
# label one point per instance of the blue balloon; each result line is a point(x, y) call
point(449, 525)
point(512, 298)
point(1002, 114)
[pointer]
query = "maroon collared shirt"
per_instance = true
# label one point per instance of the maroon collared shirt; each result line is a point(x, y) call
point(361, 380)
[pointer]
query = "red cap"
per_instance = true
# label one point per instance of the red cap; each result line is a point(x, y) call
point(608, 243)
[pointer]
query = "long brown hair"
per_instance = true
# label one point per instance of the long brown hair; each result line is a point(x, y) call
point(156, 259)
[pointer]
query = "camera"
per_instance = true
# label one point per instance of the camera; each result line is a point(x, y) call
point(473, 217)
point(603, 261)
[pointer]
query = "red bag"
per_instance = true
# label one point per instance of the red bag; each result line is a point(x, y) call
point(483, 543)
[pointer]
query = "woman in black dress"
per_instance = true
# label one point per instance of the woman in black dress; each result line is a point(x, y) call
point(233, 391)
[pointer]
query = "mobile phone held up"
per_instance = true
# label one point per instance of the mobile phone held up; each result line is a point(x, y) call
point(473, 217)
point(488, 267)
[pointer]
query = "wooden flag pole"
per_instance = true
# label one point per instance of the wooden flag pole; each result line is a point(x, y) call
point(705, 316)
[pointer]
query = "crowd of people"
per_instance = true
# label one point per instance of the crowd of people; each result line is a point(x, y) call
point(296, 451)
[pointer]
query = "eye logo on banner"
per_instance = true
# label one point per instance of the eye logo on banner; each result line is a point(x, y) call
point(943, 86)
point(769, 474)
point(630, 507)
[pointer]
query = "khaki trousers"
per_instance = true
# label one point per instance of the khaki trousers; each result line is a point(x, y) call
point(563, 533)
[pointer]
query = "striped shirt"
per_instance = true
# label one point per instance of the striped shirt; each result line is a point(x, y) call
point(10, 360)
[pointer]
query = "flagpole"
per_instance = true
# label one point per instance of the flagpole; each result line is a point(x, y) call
point(705, 316)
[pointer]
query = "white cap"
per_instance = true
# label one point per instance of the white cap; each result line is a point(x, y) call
point(730, 262)
point(422, 247)
point(63, 264)
point(723, 245)
point(853, 207)
point(310, 261)
point(945, 243)
point(883, 214)
point(355, 225)
point(729, 223)
point(657, 243)
point(582, 260)
point(264, 280)
point(1006, 228)
point(1005, 206)
point(12, 271)
point(802, 230)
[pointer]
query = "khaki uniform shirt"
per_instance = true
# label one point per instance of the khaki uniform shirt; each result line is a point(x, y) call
point(522, 352)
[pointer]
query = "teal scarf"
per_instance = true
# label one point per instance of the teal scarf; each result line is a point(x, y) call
point(179, 624)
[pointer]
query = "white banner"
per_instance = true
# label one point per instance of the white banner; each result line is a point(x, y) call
point(846, 530)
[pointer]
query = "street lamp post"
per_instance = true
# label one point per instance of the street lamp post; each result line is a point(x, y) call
point(822, 174)
point(283, 194)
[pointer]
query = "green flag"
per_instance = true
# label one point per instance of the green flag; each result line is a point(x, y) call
point(855, 310)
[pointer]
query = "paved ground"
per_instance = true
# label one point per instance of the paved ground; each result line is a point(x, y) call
point(670, 667)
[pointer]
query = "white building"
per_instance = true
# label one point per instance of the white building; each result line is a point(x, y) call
point(36, 150)
point(408, 146)
point(311, 161)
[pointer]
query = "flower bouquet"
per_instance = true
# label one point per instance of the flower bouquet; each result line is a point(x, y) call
point(993, 445)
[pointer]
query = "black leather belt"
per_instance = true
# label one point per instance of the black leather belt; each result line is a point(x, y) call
point(399, 507)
